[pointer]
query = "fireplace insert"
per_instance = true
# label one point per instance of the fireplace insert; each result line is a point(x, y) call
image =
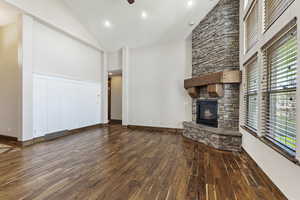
point(207, 112)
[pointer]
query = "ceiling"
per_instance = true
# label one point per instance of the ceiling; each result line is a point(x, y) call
point(166, 20)
point(8, 14)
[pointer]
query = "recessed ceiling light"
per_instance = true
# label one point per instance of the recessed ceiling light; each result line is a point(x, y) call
point(107, 23)
point(144, 15)
point(190, 3)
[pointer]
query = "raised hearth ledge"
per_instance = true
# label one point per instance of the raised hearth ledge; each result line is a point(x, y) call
point(218, 138)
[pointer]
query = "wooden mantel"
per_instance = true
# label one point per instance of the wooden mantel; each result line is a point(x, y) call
point(213, 78)
point(214, 82)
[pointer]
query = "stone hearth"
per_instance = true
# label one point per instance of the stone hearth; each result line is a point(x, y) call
point(218, 138)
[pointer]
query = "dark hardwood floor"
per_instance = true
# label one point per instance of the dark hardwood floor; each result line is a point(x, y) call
point(114, 163)
point(4, 148)
point(7, 146)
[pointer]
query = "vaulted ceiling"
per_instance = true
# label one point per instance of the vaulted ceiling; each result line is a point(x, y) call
point(115, 23)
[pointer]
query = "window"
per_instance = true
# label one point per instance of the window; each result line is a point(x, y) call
point(280, 89)
point(251, 26)
point(251, 97)
point(273, 10)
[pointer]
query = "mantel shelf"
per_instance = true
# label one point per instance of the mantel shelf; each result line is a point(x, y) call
point(225, 77)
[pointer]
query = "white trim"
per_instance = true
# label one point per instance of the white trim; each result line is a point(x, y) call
point(125, 85)
point(59, 76)
point(260, 70)
point(104, 91)
point(27, 79)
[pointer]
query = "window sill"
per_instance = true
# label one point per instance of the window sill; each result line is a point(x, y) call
point(273, 146)
point(250, 131)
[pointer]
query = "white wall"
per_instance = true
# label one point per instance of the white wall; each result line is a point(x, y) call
point(57, 54)
point(55, 13)
point(115, 61)
point(282, 172)
point(73, 99)
point(57, 69)
point(156, 85)
point(116, 97)
point(10, 79)
point(104, 89)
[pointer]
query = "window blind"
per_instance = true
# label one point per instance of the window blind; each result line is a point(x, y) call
point(273, 10)
point(279, 88)
point(251, 96)
point(252, 27)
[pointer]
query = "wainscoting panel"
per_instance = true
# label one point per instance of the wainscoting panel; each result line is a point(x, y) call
point(63, 104)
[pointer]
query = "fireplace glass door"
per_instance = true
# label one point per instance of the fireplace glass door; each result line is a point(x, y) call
point(207, 112)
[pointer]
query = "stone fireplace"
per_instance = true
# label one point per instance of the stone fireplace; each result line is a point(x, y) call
point(216, 119)
point(227, 105)
point(215, 81)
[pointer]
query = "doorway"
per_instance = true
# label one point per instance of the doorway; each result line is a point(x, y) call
point(115, 98)
point(109, 99)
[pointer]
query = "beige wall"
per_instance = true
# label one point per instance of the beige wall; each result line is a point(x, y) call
point(10, 92)
point(283, 173)
point(116, 97)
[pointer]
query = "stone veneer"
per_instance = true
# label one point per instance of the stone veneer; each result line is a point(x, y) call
point(215, 43)
point(216, 39)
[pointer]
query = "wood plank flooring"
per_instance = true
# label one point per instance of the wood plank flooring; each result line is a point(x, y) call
point(6, 147)
point(114, 163)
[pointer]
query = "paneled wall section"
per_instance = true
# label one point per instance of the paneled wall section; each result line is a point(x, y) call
point(64, 104)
